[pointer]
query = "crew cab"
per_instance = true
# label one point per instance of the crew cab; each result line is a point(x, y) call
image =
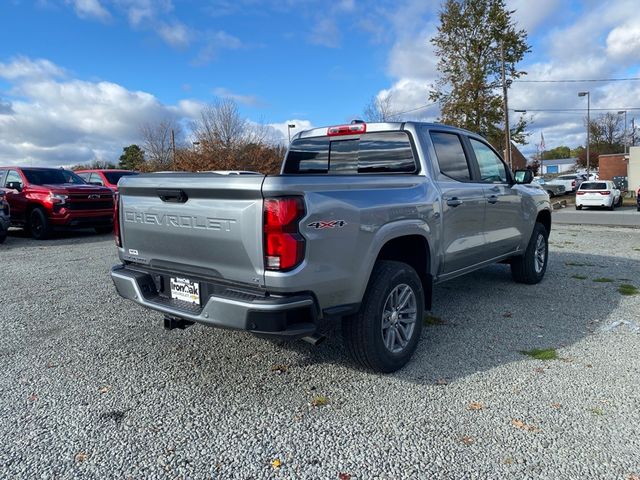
point(45, 199)
point(104, 177)
point(360, 223)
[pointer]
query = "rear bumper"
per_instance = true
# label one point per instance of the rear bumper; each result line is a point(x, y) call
point(282, 316)
point(604, 201)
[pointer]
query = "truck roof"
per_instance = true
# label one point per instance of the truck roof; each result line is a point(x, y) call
point(376, 127)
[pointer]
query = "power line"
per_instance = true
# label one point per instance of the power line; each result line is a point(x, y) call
point(572, 80)
point(572, 110)
point(413, 109)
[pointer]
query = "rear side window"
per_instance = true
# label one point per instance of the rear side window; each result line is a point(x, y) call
point(450, 154)
point(593, 186)
point(376, 152)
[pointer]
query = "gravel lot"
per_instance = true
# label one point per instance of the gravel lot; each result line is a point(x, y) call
point(93, 387)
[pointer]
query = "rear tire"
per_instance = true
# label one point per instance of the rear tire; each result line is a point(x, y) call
point(578, 207)
point(384, 334)
point(39, 224)
point(531, 267)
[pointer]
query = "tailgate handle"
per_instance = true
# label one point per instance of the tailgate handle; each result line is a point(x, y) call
point(175, 196)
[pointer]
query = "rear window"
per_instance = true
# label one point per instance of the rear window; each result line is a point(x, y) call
point(376, 152)
point(51, 177)
point(593, 186)
point(113, 177)
point(450, 154)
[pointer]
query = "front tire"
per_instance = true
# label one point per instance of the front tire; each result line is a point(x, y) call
point(531, 267)
point(384, 334)
point(39, 224)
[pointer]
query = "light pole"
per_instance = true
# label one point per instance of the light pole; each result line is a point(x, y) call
point(289, 127)
point(586, 94)
point(510, 152)
point(625, 129)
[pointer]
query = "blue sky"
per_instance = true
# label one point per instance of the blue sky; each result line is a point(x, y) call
point(79, 77)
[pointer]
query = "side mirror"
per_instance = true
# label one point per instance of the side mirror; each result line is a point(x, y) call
point(523, 176)
point(14, 186)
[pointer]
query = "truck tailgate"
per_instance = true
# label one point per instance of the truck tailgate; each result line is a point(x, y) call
point(201, 224)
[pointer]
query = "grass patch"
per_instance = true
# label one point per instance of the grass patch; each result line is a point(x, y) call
point(541, 353)
point(603, 280)
point(319, 401)
point(597, 411)
point(628, 289)
point(579, 277)
point(432, 320)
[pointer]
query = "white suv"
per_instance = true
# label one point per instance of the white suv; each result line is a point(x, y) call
point(598, 194)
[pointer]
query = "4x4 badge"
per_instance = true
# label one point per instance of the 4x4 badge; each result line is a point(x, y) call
point(327, 224)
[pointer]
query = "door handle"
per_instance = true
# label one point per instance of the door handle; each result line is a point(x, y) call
point(175, 196)
point(492, 199)
point(454, 202)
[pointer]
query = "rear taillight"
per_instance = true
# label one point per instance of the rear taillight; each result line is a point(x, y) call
point(283, 243)
point(580, 193)
point(605, 193)
point(116, 219)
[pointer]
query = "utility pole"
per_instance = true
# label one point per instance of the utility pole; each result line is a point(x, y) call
point(507, 132)
point(173, 147)
point(588, 95)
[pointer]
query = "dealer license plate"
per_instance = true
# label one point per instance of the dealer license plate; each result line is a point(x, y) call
point(185, 290)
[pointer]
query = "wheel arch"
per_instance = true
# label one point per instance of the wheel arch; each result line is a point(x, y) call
point(544, 217)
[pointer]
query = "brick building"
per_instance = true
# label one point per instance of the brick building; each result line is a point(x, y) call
point(613, 165)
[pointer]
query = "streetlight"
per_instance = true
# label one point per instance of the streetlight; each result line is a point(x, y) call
point(289, 127)
point(625, 128)
point(586, 94)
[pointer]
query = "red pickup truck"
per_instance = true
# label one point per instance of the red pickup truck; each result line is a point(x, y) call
point(44, 199)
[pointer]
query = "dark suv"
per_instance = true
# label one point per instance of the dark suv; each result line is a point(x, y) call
point(43, 199)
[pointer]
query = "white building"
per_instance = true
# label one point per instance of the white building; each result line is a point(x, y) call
point(560, 165)
point(634, 169)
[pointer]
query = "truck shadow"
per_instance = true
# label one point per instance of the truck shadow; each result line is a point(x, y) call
point(19, 238)
point(484, 319)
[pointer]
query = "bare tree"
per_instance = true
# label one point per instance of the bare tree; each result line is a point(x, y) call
point(158, 141)
point(220, 123)
point(379, 109)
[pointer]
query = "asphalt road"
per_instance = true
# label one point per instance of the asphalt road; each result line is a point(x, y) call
point(93, 387)
point(622, 217)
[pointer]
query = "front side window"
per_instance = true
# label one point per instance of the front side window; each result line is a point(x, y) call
point(492, 168)
point(14, 178)
point(450, 155)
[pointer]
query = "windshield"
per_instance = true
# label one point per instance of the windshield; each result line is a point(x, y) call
point(51, 177)
point(113, 177)
point(593, 186)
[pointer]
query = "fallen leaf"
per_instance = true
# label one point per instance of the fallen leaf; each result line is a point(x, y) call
point(523, 426)
point(467, 440)
point(476, 406)
point(591, 366)
point(539, 370)
point(507, 314)
point(556, 405)
point(104, 389)
point(280, 368)
point(441, 381)
point(508, 461)
point(319, 401)
point(344, 476)
point(33, 397)
point(633, 476)
point(80, 457)
point(52, 365)
point(276, 463)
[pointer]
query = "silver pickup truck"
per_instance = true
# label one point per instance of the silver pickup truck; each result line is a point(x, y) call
point(361, 222)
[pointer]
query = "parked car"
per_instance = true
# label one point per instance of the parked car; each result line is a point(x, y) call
point(361, 223)
point(571, 182)
point(5, 219)
point(104, 177)
point(598, 194)
point(551, 188)
point(638, 199)
point(43, 199)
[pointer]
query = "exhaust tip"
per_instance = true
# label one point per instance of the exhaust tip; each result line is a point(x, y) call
point(315, 339)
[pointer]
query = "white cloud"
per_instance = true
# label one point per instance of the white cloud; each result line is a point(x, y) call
point(282, 130)
point(176, 34)
point(90, 9)
point(214, 42)
point(22, 67)
point(623, 42)
point(532, 14)
point(248, 100)
point(325, 33)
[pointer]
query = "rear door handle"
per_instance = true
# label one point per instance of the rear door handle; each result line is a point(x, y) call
point(492, 199)
point(454, 202)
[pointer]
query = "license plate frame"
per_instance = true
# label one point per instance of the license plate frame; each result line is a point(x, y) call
point(185, 289)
